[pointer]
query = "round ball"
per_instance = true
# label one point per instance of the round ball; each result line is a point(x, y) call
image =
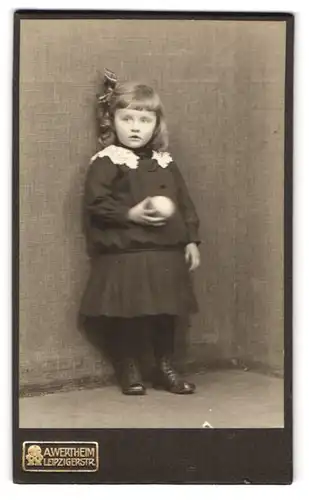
point(163, 205)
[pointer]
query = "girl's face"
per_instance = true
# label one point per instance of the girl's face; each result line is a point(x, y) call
point(134, 128)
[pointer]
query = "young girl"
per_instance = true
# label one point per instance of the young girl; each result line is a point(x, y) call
point(141, 257)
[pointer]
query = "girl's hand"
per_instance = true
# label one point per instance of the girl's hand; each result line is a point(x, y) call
point(143, 213)
point(192, 256)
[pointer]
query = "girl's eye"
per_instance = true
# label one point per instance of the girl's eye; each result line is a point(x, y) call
point(144, 119)
point(126, 118)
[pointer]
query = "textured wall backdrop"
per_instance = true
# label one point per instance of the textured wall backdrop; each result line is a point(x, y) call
point(222, 83)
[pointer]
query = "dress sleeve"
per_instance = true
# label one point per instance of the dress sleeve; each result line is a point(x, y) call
point(100, 201)
point(186, 206)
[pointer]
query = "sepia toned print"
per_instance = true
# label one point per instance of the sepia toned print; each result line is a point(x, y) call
point(222, 85)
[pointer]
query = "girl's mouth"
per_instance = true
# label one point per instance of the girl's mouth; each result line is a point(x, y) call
point(135, 137)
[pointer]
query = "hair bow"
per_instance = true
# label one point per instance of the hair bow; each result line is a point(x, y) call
point(109, 84)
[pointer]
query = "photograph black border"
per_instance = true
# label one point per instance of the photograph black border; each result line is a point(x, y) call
point(167, 456)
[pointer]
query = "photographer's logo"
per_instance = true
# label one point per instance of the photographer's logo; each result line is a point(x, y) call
point(34, 455)
point(60, 456)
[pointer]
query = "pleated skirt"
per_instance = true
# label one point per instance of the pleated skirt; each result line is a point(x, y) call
point(139, 283)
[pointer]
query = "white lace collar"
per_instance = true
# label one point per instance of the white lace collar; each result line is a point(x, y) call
point(123, 156)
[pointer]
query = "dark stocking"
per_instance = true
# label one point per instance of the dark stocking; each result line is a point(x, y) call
point(127, 339)
point(163, 336)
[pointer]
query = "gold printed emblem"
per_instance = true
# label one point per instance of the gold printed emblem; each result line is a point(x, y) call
point(34, 455)
point(60, 456)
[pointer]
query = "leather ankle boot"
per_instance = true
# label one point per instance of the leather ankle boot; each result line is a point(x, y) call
point(167, 378)
point(131, 379)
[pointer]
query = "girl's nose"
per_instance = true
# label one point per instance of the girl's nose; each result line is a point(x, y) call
point(135, 127)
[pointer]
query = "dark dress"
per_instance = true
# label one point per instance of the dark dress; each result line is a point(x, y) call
point(137, 270)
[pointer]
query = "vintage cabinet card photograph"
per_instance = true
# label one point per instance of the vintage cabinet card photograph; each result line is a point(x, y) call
point(152, 168)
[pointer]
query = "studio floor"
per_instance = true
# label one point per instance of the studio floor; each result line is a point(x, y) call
point(224, 399)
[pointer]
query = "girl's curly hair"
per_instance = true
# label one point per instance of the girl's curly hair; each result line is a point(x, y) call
point(130, 95)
